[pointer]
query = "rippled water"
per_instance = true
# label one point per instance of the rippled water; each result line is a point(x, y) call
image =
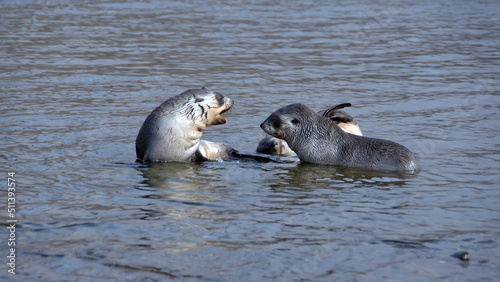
point(78, 79)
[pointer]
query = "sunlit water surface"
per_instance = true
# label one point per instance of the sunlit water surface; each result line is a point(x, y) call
point(78, 79)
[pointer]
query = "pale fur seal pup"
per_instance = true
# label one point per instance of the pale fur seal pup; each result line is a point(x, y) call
point(317, 140)
point(173, 130)
point(275, 146)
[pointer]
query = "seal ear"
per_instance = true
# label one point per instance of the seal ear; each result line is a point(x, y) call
point(295, 121)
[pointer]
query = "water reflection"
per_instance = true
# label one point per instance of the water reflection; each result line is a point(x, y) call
point(171, 175)
point(321, 176)
point(179, 188)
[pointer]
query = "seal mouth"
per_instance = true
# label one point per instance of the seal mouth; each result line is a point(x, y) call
point(220, 118)
point(225, 110)
point(227, 106)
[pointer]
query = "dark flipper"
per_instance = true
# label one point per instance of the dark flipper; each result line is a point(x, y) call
point(331, 112)
point(261, 159)
point(337, 115)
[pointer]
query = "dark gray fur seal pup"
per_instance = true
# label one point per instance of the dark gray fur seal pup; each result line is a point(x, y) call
point(275, 146)
point(173, 130)
point(317, 140)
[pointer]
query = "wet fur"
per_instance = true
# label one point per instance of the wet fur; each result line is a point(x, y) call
point(317, 140)
point(274, 146)
point(173, 130)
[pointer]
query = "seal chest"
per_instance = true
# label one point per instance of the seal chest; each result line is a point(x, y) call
point(317, 140)
point(173, 130)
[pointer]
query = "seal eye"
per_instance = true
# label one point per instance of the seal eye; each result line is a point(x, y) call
point(198, 100)
point(295, 121)
point(219, 98)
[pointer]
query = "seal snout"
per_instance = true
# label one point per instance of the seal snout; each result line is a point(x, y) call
point(226, 106)
point(268, 128)
point(265, 126)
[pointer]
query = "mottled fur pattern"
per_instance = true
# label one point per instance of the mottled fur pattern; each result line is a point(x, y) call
point(317, 140)
point(173, 130)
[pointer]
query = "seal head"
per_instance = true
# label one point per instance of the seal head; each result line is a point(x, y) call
point(274, 146)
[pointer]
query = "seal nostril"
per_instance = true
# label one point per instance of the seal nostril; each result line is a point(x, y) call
point(262, 125)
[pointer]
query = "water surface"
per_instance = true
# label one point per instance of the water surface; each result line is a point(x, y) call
point(79, 78)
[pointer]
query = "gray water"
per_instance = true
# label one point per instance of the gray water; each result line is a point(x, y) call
point(79, 77)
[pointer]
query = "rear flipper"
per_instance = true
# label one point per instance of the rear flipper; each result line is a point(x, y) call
point(210, 151)
point(213, 150)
